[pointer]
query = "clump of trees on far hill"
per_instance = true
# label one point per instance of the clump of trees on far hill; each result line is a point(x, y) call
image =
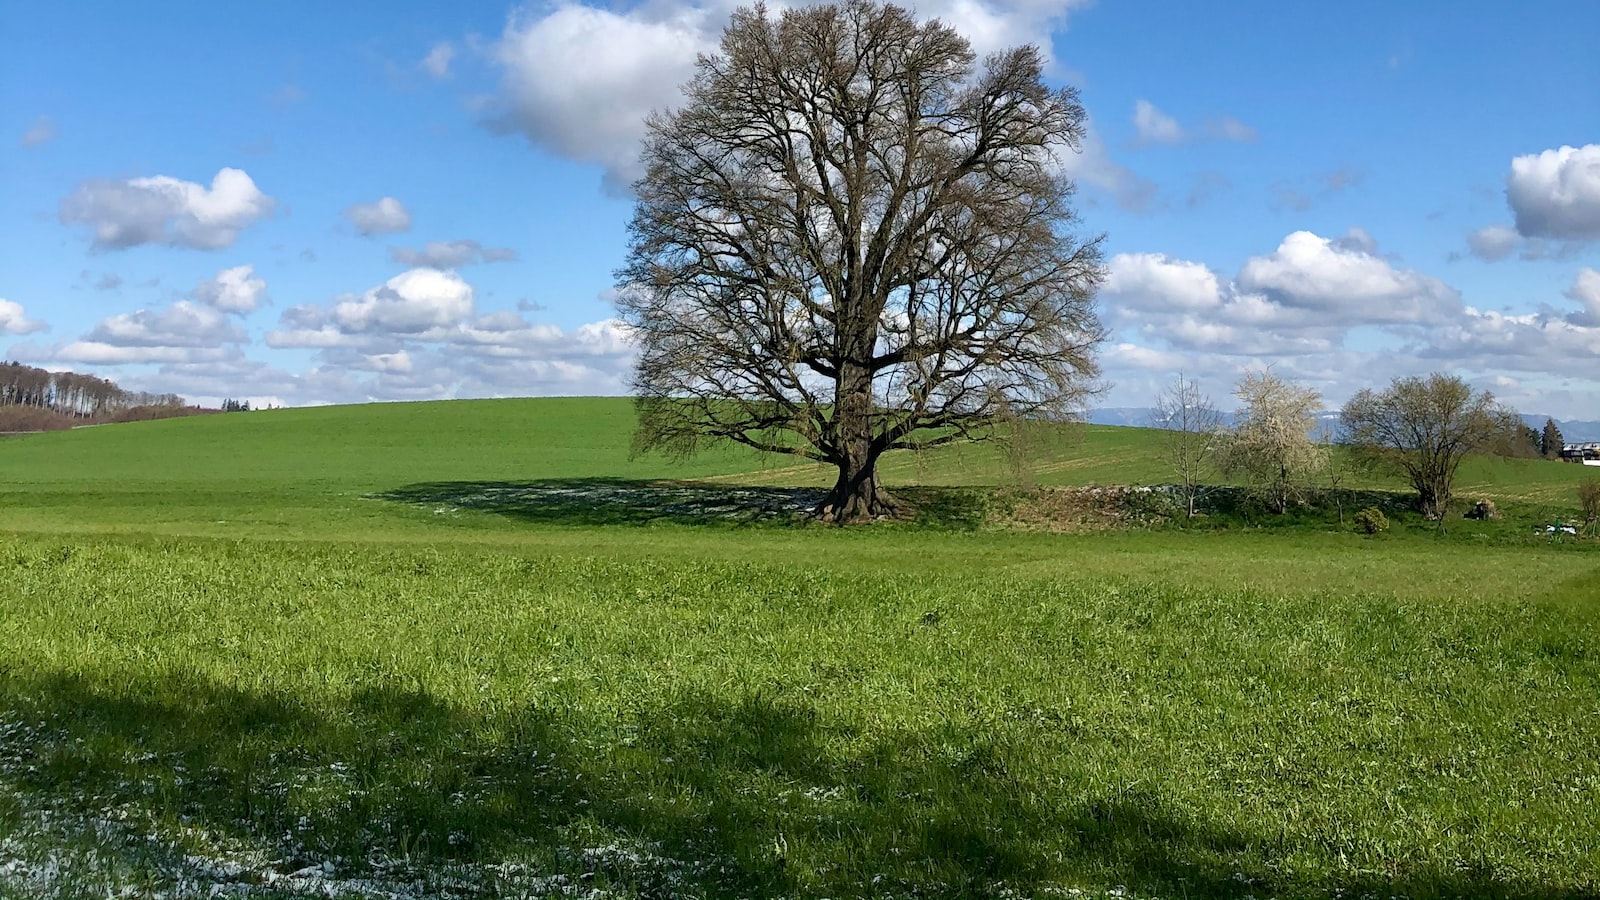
point(1520, 441)
point(69, 393)
point(852, 240)
point(34, 399)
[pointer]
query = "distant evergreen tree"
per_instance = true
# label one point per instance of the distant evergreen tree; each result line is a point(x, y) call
point(1550, 441)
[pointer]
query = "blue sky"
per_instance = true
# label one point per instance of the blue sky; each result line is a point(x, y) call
point(353, 201)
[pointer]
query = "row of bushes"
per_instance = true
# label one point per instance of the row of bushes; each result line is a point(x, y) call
point(1365, 511)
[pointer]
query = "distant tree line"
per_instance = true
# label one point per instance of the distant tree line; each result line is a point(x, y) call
point(72, 394)
point(35, 399)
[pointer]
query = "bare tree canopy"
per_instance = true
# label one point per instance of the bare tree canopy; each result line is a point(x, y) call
point(851, 241)
point(1191, 432)
point(1422, 428)
point(1270, 443)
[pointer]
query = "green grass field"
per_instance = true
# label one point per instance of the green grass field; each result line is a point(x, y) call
point(472, 649)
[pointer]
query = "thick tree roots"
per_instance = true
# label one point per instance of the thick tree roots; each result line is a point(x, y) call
point(856, 507)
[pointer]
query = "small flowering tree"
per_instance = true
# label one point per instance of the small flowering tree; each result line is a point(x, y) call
point(1270, 444)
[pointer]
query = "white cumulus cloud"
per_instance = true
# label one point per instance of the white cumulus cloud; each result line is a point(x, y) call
point(183, 324)
point(99, 353)
point(184, 332)
point(419, 336)
point(578, 80)
point(1337, 314)
point(1494, 242)
point(1155, 279)
point(1154, 126)
point(236, 290)
point(1528, 342)
point(1304, 298)
point(1586, 291)
point(385, 216)
point(14, 319)
point(398, 361)
point(1556, 194)
point(1345, 278)
point(411, 302)
point(166, 210)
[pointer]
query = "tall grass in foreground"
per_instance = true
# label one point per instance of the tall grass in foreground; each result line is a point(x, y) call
point(698, 728)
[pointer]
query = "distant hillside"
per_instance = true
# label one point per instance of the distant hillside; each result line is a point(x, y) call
point(312, 471)
point(1135, 416)
point(1572, 430)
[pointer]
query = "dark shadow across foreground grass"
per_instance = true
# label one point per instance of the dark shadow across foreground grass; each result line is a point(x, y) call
point(709, 784)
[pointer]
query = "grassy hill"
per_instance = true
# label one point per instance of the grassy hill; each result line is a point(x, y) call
point(409, 650)
point(376, 445)
point(307, 471)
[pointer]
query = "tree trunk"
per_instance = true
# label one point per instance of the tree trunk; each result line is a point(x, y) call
point(1432, 500)
point(856, 496)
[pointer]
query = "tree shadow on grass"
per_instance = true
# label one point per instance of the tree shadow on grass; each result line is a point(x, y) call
point(622, 501)
point(616, 501)
point(697, 796)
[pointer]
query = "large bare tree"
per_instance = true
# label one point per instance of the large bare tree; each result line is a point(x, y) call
point(1423, 428)
point(851, 240)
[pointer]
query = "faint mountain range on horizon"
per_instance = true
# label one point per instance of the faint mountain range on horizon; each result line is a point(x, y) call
point(1572, 430)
